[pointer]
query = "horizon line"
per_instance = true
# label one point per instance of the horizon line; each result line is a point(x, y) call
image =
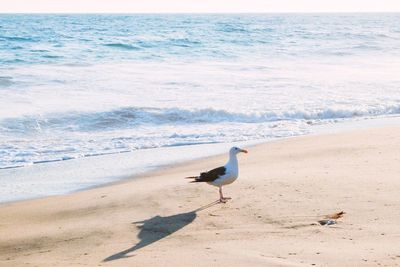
point(211, 12)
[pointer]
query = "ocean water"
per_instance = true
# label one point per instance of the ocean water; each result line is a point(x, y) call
point(74, 86)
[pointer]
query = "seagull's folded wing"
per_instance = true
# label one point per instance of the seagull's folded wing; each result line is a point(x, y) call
point(212, 175)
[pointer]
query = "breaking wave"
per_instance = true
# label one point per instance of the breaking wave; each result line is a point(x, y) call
point(131, 117)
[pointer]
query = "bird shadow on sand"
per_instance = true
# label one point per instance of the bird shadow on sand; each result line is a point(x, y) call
point(157, 228)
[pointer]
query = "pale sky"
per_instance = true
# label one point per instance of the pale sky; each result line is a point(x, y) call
point(196, 6)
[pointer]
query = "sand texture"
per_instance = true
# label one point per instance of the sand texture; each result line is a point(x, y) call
point(284, 188)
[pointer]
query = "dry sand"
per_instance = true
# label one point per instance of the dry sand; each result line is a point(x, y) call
point(283, 189)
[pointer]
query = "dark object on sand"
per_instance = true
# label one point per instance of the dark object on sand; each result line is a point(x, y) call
point(327, 222)
point(331, 218)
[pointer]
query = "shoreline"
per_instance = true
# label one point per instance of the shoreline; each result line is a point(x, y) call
point(283, 189)
point(90, 171)
point(120, 167)
point(195, 152)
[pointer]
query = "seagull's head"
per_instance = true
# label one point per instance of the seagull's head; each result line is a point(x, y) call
point(235, 150)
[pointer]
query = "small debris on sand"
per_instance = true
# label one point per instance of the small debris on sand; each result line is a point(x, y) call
point(327, 222)
point(336, 215)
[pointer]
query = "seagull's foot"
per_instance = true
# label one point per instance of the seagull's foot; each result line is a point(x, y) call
point(224, 199)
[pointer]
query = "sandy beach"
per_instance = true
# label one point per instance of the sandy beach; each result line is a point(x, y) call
point(284, 188)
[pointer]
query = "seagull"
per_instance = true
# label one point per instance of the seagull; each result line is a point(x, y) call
point(221, 176)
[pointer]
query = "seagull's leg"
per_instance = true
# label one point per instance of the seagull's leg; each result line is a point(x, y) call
point(221, 196)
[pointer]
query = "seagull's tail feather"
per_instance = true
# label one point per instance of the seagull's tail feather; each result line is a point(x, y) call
point(192, 177)
point(196, 179)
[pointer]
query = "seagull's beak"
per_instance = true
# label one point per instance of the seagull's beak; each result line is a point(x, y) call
point(244, 151)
